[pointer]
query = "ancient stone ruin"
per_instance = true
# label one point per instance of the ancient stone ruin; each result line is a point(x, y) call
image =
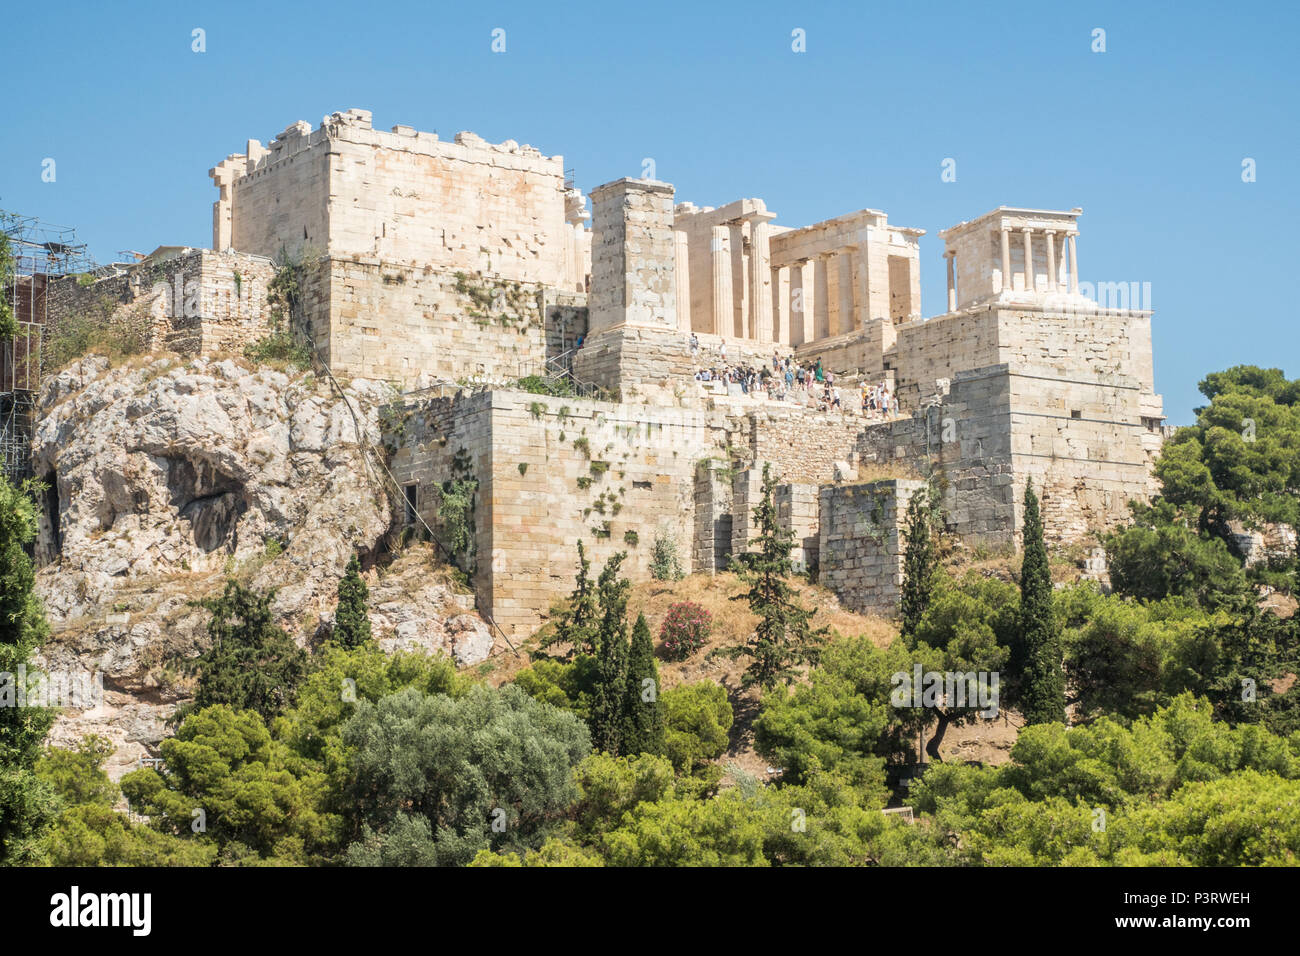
point(455, 269)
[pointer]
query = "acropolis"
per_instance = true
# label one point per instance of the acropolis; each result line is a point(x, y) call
point(460, 270)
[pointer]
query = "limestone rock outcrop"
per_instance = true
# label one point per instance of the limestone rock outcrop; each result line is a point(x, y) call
point(165, 476)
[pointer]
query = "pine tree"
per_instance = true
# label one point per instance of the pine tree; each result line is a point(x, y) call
point(920, 562)
point(783, 639)
point(578, 626)
point(351, 620)
point(1042, 691)
point(644, 724)
point(611, 659)
point(252, 664)
point(26, 804)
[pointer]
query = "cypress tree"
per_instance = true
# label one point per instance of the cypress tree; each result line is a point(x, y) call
point(644, 724)
point(783, 639)
point(351, 620)
point(920, 561)
point(252, 664)
point(1042, 692)
point(611, 659)
point(27, 805)
point(578, 626)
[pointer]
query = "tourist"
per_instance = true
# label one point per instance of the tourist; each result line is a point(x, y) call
point(695, 346)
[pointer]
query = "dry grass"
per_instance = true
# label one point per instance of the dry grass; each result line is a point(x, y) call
point(732, 624)
point(884, 470)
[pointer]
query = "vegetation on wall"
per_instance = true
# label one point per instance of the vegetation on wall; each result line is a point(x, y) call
point(100, 326)
point(288, 343)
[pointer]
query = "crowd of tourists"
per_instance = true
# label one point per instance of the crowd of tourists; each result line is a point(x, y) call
point(784, 379)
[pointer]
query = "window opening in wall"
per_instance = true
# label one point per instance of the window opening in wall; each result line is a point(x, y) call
point(408, 493)
point(1076, 413)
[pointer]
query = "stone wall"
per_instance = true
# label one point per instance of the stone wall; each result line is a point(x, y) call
point(552, 471)
point(861, 545)
point(639, 365)
point(415, 326)
point(194, 302)
point(1082, 443)
point(798, 509)
point(927, 352)
point(802, 445)
point(714, 508)
point(402, 197)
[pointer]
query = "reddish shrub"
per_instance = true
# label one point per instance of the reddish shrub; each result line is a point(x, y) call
point(684, 630)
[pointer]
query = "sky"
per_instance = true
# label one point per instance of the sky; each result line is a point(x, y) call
point(1148, 136)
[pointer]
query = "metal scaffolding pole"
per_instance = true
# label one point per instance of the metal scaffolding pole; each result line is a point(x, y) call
point(35, 254)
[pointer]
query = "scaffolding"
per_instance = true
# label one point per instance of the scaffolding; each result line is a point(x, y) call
point(37, 254)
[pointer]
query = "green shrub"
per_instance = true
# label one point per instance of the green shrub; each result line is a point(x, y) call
point(279, 348)
point(538, 385)
point(98, 329)
point(699, 720)
point(664, 563)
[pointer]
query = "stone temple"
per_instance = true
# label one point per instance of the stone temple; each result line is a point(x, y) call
point(455, 269)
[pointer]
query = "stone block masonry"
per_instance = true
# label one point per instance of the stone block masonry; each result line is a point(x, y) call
point(798, 509)
point(415, 326)
point(861, 544)
point(711, 549)
point(634, 342)
point(347, 190)
point(551, 472)
point(633, 255)
point(189, 301)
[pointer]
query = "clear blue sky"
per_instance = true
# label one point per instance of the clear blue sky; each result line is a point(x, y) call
point(1147, 137)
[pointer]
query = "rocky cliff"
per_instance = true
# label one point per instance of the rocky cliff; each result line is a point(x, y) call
point(164, 477)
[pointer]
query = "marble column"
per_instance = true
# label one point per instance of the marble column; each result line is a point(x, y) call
point(1029, 260)
point(682, 270)
point(952, 280)
point(740, 287)
point(799, 291)
point(1074, 265)
point(1006, 260)
point(862, 259)
point(1051, 259)
point(760, 280)
point(821, 297)
point(848, 319)
point(781, 294)
point(724, 315)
